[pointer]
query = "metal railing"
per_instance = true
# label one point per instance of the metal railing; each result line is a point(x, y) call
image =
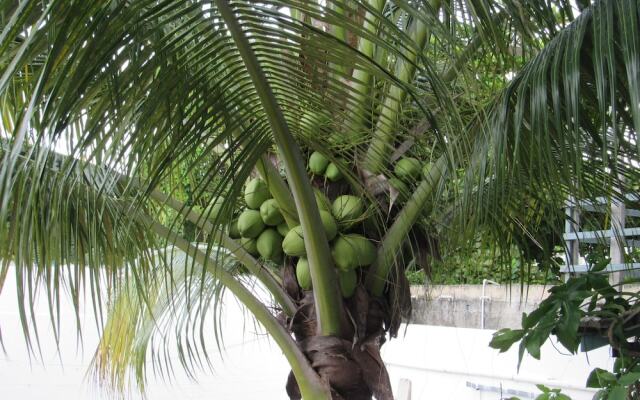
point(618, 236)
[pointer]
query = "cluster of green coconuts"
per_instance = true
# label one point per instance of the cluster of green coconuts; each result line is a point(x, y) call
point(263, 232)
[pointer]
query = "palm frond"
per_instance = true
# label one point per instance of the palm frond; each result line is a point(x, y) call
point(148, 330)
point(566, 126)
point(67, 230)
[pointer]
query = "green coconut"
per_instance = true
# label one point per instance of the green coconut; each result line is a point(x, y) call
point(250, 245)
point(303, 274)
point(367, 251)
point(283, 229)
point(333, 173)
point(344, 253)
point(270, 213)
point(351, 251)
point(234, 233)
point(348, 282)
point(270, 244)
point(347, 209)
point(250, 224)
point(255, 193)
point(329, 224)
point(293, 243)
point(322, 200)
point(408, 168)
point(318, 163)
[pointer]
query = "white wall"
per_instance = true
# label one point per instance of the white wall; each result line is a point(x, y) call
point(441, 362)
point(252, 367)
point(438, 360)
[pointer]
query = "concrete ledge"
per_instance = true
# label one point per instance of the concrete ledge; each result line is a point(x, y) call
point(460, 305)
point(513, 293)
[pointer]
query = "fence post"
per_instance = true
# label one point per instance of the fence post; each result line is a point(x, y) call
point(617, 243)
point(572, 225)
point(404, 390)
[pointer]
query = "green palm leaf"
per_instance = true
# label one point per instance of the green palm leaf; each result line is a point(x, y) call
point(565, 126)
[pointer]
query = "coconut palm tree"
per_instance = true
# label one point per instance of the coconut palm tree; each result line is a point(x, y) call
point(129, 130)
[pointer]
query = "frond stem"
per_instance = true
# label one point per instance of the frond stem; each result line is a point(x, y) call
point(328, 301)
point(397, 233)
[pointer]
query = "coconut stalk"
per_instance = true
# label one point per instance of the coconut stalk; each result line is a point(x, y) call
point(361, 81)
point(395, 236)
point(279, 190)
point(383, 136)
point(328, 301)
point(339, 32)
point(392, 241)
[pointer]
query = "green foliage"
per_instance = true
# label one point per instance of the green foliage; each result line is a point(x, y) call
point(470, 265)
point(559, 314)
point(144, 100)
point(416, 277)
point(551, 394)
point(618, 386)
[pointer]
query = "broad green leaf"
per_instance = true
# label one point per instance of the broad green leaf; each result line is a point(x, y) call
point(592, 380)
point(629, 378)
point(505, 338)
point(533, 342)
point(545, 308)
point(599, 378)
point(543, 388)
point(618, 393)
point(600, 265)
point(567, 327)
